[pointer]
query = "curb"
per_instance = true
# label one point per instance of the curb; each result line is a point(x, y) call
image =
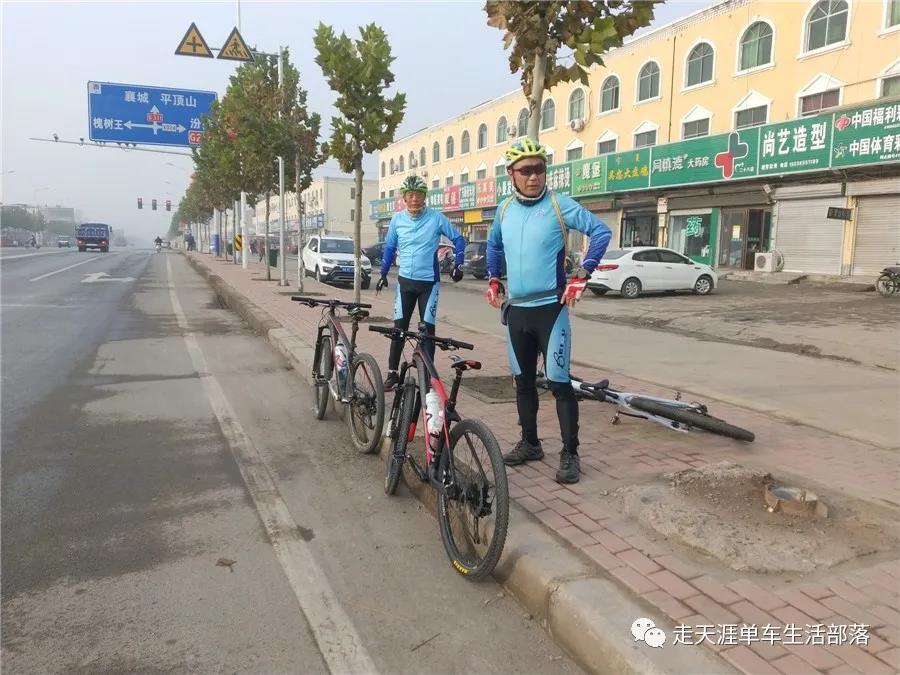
point(586, 613)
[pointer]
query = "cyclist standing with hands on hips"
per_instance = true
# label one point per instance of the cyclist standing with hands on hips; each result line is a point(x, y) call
point(415, 235)
point(530, 232)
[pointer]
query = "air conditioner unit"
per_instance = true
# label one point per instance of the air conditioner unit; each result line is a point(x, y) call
point(577, 125)
point(772, 261)
point(511, 132)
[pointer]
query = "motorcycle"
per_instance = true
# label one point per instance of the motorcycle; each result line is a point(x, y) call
point(888, 283)
point(158, 248)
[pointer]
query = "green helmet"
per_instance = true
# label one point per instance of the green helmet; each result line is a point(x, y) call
point(413, 184)
point(525, 148)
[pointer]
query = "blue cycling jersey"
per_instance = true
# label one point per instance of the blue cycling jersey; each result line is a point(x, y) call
point(416, 241)
point(530, 238)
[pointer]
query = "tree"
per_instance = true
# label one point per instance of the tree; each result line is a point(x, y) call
point(536, 31)
point(20, 218)
point(359, 72)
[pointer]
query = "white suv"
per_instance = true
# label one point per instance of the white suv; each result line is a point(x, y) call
point(331, 259)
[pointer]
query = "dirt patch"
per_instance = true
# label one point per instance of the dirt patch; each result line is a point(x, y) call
point(720, 510)
point(491, 388)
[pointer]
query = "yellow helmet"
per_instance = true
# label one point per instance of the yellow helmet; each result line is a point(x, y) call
point(524, 148)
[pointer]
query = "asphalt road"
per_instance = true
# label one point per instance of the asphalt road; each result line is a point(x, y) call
point(170, 504)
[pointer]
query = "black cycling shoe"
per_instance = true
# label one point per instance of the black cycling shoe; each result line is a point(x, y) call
point(391, 381)
point(569, 468)
point(524, 452)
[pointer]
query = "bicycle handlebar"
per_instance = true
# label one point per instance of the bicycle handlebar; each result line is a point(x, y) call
point(445, 343)
point(312, 302)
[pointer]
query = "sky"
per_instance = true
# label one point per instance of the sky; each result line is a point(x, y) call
point(447, 60)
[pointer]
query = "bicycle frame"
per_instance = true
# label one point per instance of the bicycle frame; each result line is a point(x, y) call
point(336, 332)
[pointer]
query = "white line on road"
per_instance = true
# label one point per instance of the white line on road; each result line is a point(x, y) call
point(335, 635)
point(30, 255)
point(50, 274)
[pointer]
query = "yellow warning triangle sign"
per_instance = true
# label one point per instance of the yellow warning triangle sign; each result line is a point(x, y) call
point(235, 49)
point(193, 44)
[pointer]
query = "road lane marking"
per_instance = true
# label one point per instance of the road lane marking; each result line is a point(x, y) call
point(4, 305)
point(50, 274)
point(338, 641)
point(30, 255)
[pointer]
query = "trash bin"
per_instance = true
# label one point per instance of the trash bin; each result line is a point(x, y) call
point(273, 257)
point(216, 243)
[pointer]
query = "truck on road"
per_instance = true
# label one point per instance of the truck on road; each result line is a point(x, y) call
point(93, 235)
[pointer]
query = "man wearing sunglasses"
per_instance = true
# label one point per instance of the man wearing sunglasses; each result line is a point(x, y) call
point(529, 232)
point(414, 235)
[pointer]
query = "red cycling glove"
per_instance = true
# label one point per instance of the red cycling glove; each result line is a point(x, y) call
point(495, 290)
point(575, 286)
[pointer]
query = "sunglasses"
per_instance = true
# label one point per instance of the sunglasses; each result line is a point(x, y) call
point(535, 170)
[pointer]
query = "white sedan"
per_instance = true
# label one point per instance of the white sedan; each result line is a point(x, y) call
point(632, 271)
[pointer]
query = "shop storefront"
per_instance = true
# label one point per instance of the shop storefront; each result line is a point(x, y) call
point(693, 233)
point(809, 240)
point(877, 240)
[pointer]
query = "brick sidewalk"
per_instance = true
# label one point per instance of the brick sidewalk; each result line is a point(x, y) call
point(681, 586)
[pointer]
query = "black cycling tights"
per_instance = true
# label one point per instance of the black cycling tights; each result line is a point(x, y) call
point(534, 331)
point(409, 294)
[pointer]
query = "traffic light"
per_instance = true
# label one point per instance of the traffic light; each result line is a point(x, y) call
point(168, 205)
point(153, 204)
point(140, 203)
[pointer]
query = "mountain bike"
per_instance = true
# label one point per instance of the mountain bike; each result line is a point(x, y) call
point(670, 413)
point(462, 462)
point(348, 377)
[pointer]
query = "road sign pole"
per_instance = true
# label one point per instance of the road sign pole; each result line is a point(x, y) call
point(281, 259)
point(245, 257)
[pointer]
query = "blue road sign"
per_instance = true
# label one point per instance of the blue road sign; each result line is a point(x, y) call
point(135, 113)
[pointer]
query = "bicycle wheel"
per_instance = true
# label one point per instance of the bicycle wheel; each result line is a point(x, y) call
point(885, 285)
point(475, 515)
point(402, 433)
point(692, 418)
point(366, 417)
point(323, 375)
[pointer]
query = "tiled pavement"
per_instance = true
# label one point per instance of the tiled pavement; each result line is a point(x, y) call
point(680, 585)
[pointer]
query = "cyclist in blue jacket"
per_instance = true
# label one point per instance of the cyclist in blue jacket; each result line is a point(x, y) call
point(415, 235)
point(529, 232)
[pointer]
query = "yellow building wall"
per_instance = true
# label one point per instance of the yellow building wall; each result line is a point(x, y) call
point(857, 63)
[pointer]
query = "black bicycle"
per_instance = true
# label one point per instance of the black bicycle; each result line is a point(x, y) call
point(351, 378)
point(670, 413)
point(462, 462)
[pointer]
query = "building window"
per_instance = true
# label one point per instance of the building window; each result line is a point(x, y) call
point(573, 153)
point(548, 115)
point(890, 86)
point(393, 166)
point(609, 94)
point(893, 14)
point(501, 130)
point(401, 169)
point(449, 147)
point(522, 122)
point(500, 169)
point(481, 173)
point(390, 193)
point(606, 147)
point(352, 215)
point(827, 24)
point(695, 129)
point(482, 136)
point(464, 143)
point(756, 46)
point(576, 105)
point(412, 159)
point(353, 192)
point(549, 158)
point(690, 235)
point(463, 177)
point(813, 104)
point(382, 169)
point(436, 183)
point(449, 181)
point(435, 152)
point(422, 156)
point(645, 139)
point(700, 65)
point(751, 117)
point(382, 194)
point(648, 82)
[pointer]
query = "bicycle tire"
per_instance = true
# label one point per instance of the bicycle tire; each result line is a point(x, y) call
point(356, 418)
point(397, 455)
point(323, 373)
point(886, 286)
point(477, 566)
point(692, 418)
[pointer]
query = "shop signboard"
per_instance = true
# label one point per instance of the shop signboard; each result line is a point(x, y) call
point(434, 198)
point(708, 159)
point(795, 146)
point(467, 195)
point(589, 176)
point(451, 198)
point(628, 170)
point(868, 135)
point(486, 192)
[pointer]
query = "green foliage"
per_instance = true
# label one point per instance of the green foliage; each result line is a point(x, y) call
point(18, 217)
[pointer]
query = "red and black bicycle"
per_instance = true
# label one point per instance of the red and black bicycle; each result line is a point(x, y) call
point(462, 460)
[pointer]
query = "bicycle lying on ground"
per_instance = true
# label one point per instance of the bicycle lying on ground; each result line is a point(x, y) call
point(350, 378)
point(670, 413)
point(462, 463)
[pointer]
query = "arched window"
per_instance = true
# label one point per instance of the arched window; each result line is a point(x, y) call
point(436, 152)
point(609, 94)
point(648, 82)
point(393, 165)
point(422, 156)
point(548, 114)
point(501, 130)
point(826, 24)
point(482, 136)
point(449, 152)
point(382, 169)
point(576, 105)
point(464, 143)
point(412, 159)
point(401, 169)
point(699, 65)
point(522, 122)
point(756, 46)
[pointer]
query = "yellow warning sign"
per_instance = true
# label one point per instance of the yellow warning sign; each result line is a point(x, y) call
point(238, 243)
point(235, 49)
point(193, 44)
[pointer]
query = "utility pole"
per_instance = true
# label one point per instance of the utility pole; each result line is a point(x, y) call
point(282, 270)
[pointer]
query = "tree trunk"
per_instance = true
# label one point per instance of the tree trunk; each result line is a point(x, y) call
point(537, 96)
point(225, 236)
point(301, 272)
point(266, 245)
point(357, 233)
